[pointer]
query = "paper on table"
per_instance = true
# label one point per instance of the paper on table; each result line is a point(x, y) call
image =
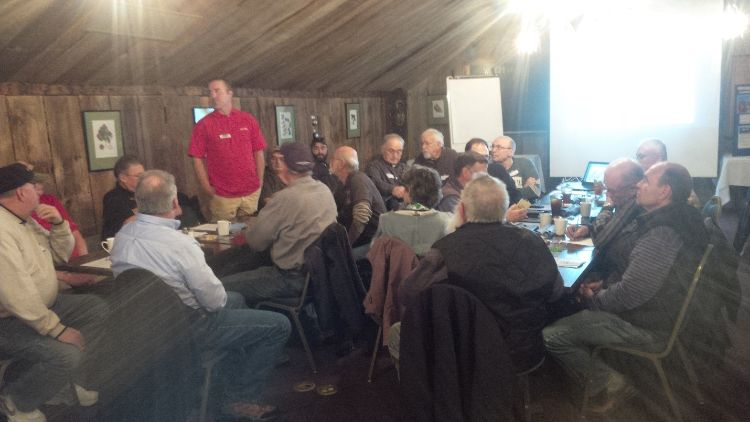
point(205, 228)
point(583, 242)
point(99, 263)
point(569, 263)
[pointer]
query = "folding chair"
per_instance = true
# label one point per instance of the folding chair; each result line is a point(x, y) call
point(293, 306)
point(673, 342)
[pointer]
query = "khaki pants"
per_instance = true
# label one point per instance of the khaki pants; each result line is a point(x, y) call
point(229, 208)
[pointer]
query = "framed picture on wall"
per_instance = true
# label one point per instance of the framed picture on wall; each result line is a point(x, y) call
point(742, 120)
point(353, 121)
point(286, 124)
point(437, 113)
point(102, 132)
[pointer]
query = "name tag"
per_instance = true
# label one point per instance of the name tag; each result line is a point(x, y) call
point(390, 176)
point(519, 182)
point(225, 136)
point(514, 172)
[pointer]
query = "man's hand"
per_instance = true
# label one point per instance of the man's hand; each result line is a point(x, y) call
point(208, 190)
point(588, 290)
point(49, 213)
point(516, 213)
point(76, 279)
point(74, 337)
point(530, 182)
point(575, 231)
point(398, 192)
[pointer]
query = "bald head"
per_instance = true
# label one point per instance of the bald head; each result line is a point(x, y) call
point(344, 162)
point(621, 178)
point(650, 152)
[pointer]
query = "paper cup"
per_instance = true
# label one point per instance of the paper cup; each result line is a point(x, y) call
point(545, 220)
point(222, 227)
point(585, 209)
point(560, 225)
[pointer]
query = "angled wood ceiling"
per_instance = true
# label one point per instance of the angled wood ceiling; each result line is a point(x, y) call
point(307, 45)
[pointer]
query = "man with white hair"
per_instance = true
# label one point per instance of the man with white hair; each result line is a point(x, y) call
point(435, 155)
point(508, 268)
point(386, 171)
point(361, 203)
point(219, 320)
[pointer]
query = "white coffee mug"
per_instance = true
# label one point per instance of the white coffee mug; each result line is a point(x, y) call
point(108, 244)
point(585, 209)
point(545, 220)
point(560, 225)
point(222, 227)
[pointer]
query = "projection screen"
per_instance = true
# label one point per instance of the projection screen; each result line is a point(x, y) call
point(621, 72)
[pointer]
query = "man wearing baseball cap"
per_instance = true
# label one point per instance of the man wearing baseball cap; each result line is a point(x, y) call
point(290, 222)
point(36, 323)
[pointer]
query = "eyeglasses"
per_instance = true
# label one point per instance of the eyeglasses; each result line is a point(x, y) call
point(500, 147)
point(394, 151)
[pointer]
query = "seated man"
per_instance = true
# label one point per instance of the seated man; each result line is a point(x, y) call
point(614, 232)
point(361, 202)
point(220, 321)
point(522, 171)
point(435, 154)
point(321, 172)
point(495, 170)
point(652, 151)
point(642, 307)
point(36, 323)
point(417, 224)
point(386, 171)
point(508, 268)
point(274, 179)
point(466, 166)
point(292, 221)
point(119, 204)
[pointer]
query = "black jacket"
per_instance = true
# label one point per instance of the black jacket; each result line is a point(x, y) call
point(336, 286)
point(454, 362)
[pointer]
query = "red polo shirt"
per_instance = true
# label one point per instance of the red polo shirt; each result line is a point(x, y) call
point(228, 144)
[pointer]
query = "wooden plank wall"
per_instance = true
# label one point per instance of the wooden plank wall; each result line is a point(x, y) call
point(43, 125)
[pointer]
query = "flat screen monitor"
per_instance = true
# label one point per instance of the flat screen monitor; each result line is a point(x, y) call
point(201, 112)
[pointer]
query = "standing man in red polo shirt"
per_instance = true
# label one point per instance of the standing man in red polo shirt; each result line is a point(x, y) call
point(227, 147)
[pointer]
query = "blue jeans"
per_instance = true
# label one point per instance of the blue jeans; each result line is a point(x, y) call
point(265, 283)
point(54, 363)
point(251, 338)
point(571, 341)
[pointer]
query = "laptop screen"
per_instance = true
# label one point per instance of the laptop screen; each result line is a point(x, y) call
point(594, 171)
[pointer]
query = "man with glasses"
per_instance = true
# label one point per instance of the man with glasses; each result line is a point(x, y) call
point(387, 169)
point(614, 230)
point(119, 203)
point(521, 170)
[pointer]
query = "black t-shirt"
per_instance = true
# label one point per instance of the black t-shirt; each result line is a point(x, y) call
point(359, 188)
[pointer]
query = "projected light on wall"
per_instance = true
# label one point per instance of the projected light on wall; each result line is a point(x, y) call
point(624, 71)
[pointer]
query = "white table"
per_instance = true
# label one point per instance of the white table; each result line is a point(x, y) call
point(735, 171)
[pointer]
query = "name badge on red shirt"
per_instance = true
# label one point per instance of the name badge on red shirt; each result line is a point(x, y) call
point(225, 136)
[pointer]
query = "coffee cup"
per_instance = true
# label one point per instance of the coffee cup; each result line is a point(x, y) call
point(585, 209)
point(560, 225)
point(108, 244)
point(545, 220)
point(222, 227)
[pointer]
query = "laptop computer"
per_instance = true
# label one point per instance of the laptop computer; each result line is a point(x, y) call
point(594, 173)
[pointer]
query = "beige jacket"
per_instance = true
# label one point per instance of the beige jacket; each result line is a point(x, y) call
point(28, 284)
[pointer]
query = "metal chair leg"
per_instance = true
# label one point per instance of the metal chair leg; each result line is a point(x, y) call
point(301, 332)
point(690, 372)
point(375, 350)
point(668, 390)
